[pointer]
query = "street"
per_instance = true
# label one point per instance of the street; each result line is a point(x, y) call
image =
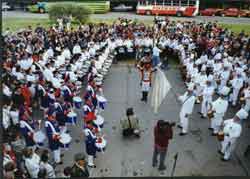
point(115, 15)
point(197, 152)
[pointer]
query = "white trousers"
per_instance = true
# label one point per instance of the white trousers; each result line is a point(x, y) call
point(228, 145)
point(91, 160)
point(145, 86)
point(234, 96)
point(216, 123)
point(184, 123)
point(57, 155)
point(247, 106)
point(205, 105)
point(222, 84)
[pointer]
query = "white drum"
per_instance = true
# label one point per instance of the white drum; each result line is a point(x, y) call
point(65, 140)
point(39, 138)
point(99, 121)
point(77, 102)
point(102, 101)
point(72, 117)
point(101, 144)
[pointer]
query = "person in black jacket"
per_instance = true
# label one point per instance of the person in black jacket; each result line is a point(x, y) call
point(79, 168)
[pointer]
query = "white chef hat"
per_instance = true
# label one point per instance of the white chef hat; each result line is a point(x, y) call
point(239, 71)
point(190, 86)
point(230, 58)
point(242, 114)
point(224, 91)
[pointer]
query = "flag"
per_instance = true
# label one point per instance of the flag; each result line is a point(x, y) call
point(161, 87)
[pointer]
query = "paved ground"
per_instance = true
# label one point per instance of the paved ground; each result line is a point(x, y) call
point(115, 15)
point(132, 157)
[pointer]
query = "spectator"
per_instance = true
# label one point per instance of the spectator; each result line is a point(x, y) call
point(42, 174)
point(162, 134)
point(79, 168)
point(45, 164)
point(130, 124)
point(31, 162)
point(67, 172)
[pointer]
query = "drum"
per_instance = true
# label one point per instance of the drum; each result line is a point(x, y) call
point(101, 144)
point(210, 114)
point(98, 83)
point(71, 117)
point(77, 102)
point(39, 138)
point(101, 101)
point(220, 136)
point(99, 121)
point(242, 101)
point(65, 140)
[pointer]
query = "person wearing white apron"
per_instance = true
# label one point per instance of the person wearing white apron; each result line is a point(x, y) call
point(207, 95)
point(146, 77)
point(219, 107)
point(237, 84)
point(232, 130)
point(187, 100)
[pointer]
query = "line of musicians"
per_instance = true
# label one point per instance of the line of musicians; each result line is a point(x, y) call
point(213, 73)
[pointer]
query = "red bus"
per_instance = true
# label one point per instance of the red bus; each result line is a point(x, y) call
point(168, 7)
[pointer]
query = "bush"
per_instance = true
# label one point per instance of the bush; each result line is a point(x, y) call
point(81, 13)
point(78, 12)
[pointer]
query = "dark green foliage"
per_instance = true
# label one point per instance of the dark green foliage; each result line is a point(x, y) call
point(78, 12)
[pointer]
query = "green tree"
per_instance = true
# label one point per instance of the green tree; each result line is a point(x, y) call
point(78, 12)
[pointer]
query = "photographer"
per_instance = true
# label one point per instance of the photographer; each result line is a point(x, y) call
point(163, 132)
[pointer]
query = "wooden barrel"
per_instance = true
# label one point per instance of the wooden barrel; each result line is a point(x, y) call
point(220, 136)
point(210, 114)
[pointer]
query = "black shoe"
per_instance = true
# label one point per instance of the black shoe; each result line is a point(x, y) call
point(93, 166)
point(60, 163)
point(214, 134)
point(221, 153)
point(179, 126)
point(224, 160)
point(182, 134)
point(203, 117)
point(210, 128)
point(162, 168)
point(154, 165)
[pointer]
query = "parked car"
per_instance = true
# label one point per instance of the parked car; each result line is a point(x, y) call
point(233, 12)
point(122, 8)
point(247, 12)
point(210, 12)
point(5, 7)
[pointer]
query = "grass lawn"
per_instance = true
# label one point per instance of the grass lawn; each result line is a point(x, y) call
point(18, 23)
point(237, 28)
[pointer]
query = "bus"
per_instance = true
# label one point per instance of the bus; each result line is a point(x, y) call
point(178, 8)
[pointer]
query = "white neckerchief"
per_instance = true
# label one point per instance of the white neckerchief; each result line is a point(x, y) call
point(27, 125)
point(52, 127)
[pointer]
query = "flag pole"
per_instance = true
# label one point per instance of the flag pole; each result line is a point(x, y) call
point(174, 166)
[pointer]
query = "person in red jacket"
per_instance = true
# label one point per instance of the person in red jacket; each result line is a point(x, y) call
point(163, 132)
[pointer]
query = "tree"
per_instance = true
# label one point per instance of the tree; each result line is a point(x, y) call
point(78, 12)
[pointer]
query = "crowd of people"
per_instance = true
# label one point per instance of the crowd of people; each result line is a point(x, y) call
point(59, 71)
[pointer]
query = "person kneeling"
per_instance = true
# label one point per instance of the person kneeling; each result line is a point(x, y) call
point(130, 124)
